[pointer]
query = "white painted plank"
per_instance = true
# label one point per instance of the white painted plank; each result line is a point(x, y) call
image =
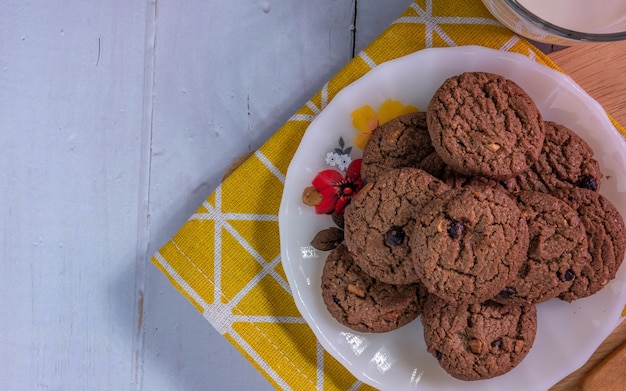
point(250, 66)
point(77, 90)
point(71, 88)
point(225, 91)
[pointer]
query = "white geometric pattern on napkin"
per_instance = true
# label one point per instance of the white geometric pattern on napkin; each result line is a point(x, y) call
point(221, 315)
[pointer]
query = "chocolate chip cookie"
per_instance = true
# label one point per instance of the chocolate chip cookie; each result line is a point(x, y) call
point(362, 303)
point(400, 142)
point(468, 242)
point(484, 124)
point(566, 161)
point(606, 237)
point(433, 165)
point(379, 221)
point(557, 250)
point(478, 341)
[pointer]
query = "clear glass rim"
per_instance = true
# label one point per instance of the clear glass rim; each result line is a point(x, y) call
point(563, 32)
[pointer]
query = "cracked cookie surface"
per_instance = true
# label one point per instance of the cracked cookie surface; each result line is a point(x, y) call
point(362, 303)
point(379, 221)
point(401, 142)
point(468, 242)
point(557, 250)
point(566, 161)
point(478, 341)
point(484, 124)
point(606, 238)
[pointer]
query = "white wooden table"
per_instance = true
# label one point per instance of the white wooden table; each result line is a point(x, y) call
point(117, 119)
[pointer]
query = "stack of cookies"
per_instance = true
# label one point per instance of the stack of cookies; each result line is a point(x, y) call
point(474, 212)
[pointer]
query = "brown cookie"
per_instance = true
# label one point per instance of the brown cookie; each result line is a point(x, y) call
point(400, 142)
point(433, 165)
point(566, 161)
point(362, 303)
point(380, 219)
point(478, 341)
point(486, 125)
point(557, 250)
point(606, 237)
point(468, 242)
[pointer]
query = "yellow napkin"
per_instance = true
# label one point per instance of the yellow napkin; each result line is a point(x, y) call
point(226, 259)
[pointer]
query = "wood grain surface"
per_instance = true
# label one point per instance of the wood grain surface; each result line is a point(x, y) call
point(600, 69)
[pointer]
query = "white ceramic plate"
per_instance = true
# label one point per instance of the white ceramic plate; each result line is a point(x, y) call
point(567, 333)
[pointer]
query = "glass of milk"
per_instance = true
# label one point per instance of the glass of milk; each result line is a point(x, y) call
point(563, 22)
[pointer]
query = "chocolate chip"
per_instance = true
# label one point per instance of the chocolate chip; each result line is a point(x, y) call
point(497, 343)
point(470, 324)
point(567, 276)
point(456, 229)
point(336, 300)
point(438, 354)
point(587, 182)
point(395, 236)
point(508, 291)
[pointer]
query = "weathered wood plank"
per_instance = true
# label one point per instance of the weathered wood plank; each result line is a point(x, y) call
point(600, 69)
point(72, 84)
point(252, 65)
